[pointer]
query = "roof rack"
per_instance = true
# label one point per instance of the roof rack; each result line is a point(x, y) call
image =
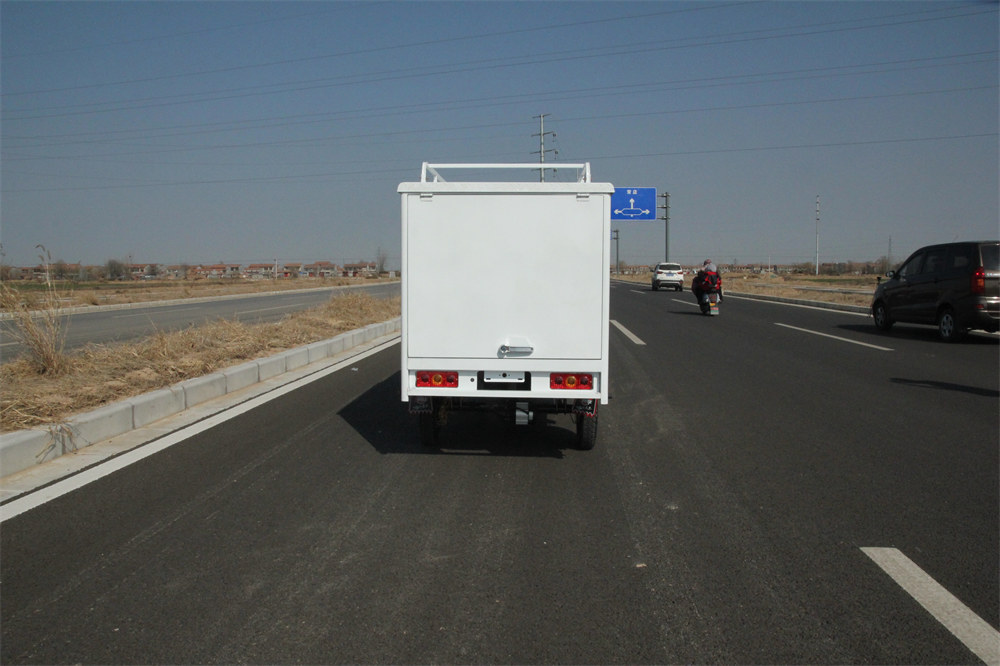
point(431, 170)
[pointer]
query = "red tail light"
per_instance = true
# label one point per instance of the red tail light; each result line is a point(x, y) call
point(437, 379)
point(571, 381)
point(979, 281)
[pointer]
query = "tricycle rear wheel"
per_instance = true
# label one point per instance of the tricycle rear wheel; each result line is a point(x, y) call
point(586, 431)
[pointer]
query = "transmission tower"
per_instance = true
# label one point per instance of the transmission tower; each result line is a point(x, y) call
point(541, 145)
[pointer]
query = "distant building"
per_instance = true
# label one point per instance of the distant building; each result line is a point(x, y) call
point(260, 271)
point(291, 270)
point(321, 269)
point(360, 270)
point(215, 271)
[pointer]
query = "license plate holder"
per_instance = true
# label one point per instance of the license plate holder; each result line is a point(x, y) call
point(503, 377)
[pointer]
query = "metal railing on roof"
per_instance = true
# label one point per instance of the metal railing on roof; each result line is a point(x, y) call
point(431, 170)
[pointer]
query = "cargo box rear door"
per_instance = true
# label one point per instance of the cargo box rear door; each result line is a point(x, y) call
point(488, 269)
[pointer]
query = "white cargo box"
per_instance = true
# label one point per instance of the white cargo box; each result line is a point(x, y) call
point(505, 286)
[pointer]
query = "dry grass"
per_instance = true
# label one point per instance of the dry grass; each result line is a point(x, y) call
point(43, 333)
point(100, 374)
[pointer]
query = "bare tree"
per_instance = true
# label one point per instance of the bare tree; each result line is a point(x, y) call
point(115, 270)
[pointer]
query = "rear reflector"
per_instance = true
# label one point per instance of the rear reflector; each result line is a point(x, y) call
point(437, 379)
point(571, 381)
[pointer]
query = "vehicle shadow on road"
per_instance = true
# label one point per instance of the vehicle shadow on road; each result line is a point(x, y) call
point(384, 421)
point(946, 386)
point(926, 333)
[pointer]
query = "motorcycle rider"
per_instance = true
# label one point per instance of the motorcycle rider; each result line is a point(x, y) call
point(707, 281)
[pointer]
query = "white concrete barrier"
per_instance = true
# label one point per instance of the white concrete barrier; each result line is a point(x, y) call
point(296, 358)
point(200, 389)
point(272, 366)
point(241, 376)
point(157, 405)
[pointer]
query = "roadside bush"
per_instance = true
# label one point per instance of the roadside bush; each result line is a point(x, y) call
point(38, 325)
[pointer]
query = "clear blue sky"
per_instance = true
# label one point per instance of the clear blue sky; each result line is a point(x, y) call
point(240, 132)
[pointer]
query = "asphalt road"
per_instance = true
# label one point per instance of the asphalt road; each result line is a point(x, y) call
point(110, 325)
point(741, 468)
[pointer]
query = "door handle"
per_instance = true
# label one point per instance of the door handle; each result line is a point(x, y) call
point(508, 349)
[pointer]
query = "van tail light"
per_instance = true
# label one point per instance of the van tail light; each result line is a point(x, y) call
point(571, 381)
point(437, 379)
point(979, 281)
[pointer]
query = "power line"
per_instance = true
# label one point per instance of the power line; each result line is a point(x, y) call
point(558, 56)
point(157, 38)
point(798, 146)
point(394, 47)
point(604, 91)
point(397, 134)
point(595, 157)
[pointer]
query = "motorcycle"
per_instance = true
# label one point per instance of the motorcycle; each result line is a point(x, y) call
point(709, 303)
point(707, 289)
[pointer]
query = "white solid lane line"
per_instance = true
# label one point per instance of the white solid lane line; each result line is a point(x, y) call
point(974, 632)
point(833, 337)
point(628, 334)
point(16, 507)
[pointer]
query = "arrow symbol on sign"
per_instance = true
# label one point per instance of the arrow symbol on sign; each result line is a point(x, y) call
point(631, 210)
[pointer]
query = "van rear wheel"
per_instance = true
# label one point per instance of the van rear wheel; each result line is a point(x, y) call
point(949, 329)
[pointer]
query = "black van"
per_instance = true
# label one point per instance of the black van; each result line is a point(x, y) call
point(955, 286)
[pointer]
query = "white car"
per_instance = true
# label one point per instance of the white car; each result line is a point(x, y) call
point(668, 275)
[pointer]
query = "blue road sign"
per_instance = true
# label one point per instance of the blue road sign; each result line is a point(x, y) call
point(633, 203)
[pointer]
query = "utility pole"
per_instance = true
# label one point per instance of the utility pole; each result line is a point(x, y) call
point(817, 234)
point(617, 240)
point(666, 225)
point(541, 145)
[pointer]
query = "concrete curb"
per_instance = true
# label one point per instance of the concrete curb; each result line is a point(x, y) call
point(23, 449)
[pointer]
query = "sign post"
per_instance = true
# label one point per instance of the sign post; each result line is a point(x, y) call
point(666, 225)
